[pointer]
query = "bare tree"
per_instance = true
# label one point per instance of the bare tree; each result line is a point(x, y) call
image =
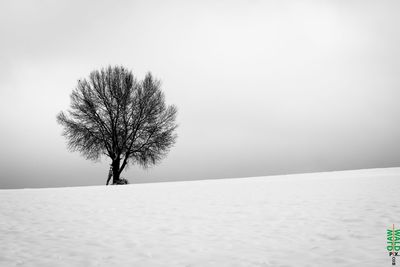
point(113, 114)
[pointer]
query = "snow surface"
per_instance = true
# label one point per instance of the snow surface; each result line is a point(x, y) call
point(320, 219)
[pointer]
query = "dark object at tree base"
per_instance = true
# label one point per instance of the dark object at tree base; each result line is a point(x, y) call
point(121, 181)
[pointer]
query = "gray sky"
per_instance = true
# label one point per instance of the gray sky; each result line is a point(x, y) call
point(262, 87)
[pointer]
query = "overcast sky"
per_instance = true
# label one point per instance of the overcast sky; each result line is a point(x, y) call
point(262, 87)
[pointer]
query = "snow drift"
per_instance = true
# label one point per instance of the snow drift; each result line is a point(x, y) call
point(320, 219)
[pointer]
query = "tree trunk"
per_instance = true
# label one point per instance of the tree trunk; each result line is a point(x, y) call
point(115, 167)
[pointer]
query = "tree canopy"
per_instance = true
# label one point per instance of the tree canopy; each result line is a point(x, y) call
point(114, 114)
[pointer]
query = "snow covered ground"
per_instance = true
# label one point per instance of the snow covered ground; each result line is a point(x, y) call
point(320, 219)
